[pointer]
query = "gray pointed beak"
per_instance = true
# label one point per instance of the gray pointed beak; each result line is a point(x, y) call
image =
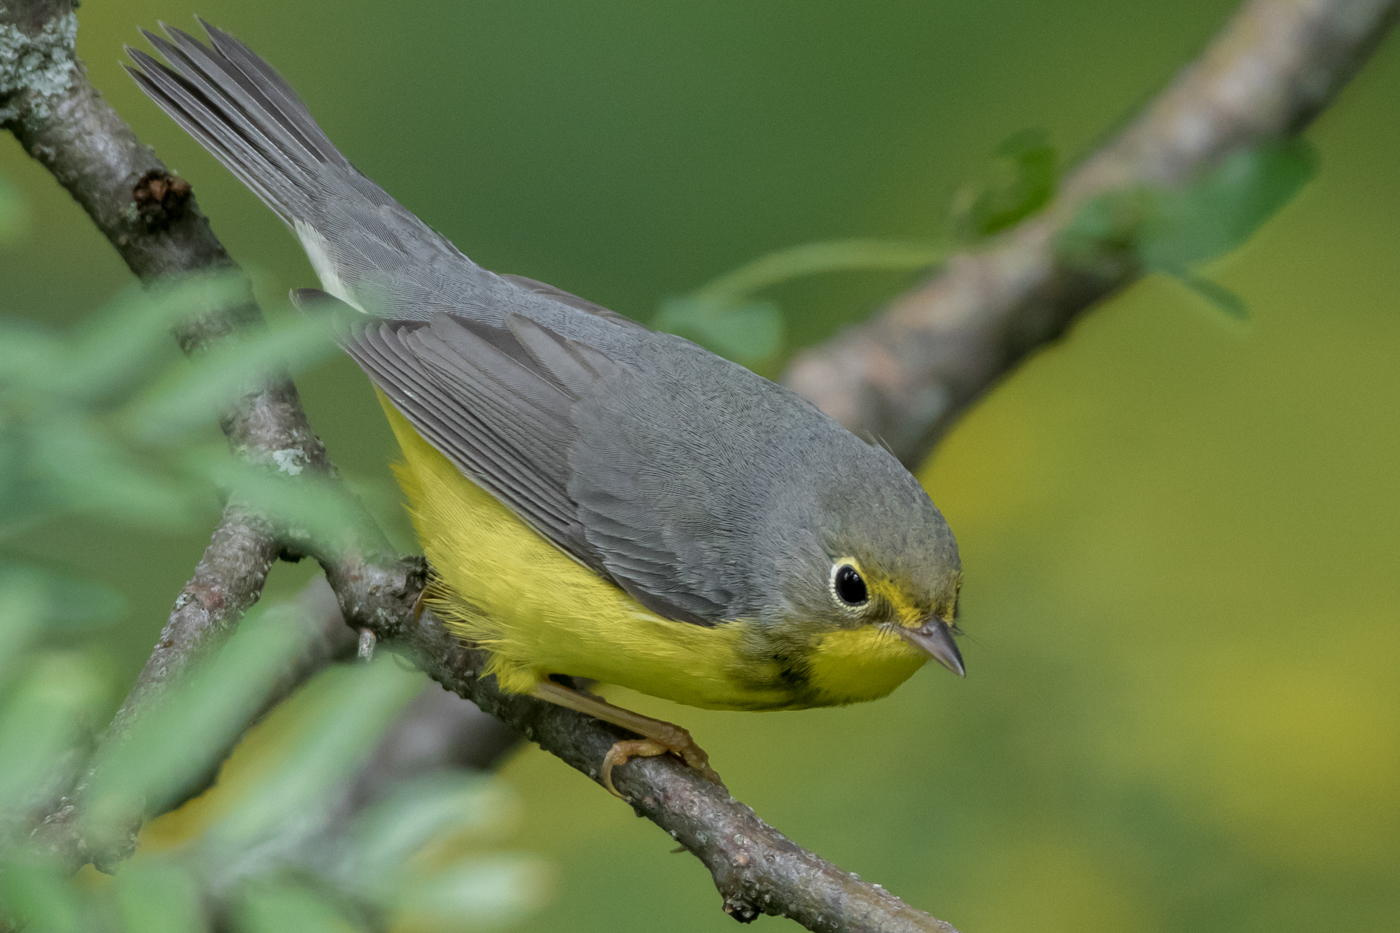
point(934, 640)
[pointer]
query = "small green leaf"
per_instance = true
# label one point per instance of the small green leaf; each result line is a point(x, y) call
point(286, 907)
point(30, 353)
point(24, 603)
point(1175, 230)
point(1217, 294)
point(68, 603)
point(185, 731)
point(43, 722)
point(1024, 176)
point(357, 704)
point(435, 807)
point(1105, 230)
point(39, 896)
point(472, 895)
point(87, 470)
point(114, 349)
point(159, 896)
point(746, 333)
point(236, 367)
point(1223, 208)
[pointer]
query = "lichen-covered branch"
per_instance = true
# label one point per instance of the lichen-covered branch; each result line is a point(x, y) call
point(906, 375)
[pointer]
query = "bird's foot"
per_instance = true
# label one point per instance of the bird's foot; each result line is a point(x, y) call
point(658, 736)
point(669, 740)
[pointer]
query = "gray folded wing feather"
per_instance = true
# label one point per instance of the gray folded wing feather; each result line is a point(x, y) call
point(505, 405)
point(589, 427)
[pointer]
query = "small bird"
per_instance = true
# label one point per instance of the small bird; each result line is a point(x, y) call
point(596, 499)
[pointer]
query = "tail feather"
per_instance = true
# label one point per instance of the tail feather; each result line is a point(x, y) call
point(212, 75)
point(260, 79)
point(359, 240)
point(227, 112)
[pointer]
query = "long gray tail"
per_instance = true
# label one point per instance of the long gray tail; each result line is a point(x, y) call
point(357, 237)
point(245, 114)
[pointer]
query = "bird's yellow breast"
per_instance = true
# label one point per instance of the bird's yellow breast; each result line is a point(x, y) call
point(538, 612)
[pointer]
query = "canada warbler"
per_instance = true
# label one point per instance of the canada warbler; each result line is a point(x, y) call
point(596, 499)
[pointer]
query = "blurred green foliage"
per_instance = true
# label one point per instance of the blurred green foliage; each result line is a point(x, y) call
point(1176, 230)
point(97, 420)
point(723, 317)
point(1181, 709)
point(1021, 179)
point(12, 211)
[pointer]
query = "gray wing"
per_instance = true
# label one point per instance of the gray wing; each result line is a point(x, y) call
point(497, 372)
point(506, 406)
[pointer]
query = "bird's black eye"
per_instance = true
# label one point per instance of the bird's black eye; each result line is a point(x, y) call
point(848, 585)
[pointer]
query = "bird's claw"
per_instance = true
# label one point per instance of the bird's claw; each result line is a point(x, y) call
point(678, 743)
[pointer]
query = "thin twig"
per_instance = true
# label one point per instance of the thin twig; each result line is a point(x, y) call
point(814, 258)
point(906, 375)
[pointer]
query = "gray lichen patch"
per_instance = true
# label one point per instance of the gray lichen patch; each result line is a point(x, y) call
point(290, 460)
point(43, 64)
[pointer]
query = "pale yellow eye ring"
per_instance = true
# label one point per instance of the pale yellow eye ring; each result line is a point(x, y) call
point(847, 585)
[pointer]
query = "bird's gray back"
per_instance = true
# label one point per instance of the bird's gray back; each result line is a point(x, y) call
point(675, 473)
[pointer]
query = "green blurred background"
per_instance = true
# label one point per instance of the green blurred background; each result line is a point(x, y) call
point(1179, 533)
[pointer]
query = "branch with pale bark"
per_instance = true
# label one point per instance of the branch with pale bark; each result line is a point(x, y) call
point(909, 373)
point(903, 376)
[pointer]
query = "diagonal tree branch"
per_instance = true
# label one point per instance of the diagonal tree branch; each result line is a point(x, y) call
point(903, 376)
point(907, 374)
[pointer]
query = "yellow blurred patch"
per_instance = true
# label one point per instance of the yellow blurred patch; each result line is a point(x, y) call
point(1299, 762)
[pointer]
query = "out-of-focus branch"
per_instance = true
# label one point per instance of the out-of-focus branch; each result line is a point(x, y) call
point(906, 375)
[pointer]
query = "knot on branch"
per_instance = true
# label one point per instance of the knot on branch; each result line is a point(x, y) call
point(740, 909)
point(159, 199)
point(379, 596)
point(36, 55)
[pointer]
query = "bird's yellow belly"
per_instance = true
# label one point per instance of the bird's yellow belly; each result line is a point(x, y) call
point(538, 612)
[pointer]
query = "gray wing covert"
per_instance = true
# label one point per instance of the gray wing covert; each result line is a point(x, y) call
point(504, 405)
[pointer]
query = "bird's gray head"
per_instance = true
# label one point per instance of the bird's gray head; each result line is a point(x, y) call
point(873, 550)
